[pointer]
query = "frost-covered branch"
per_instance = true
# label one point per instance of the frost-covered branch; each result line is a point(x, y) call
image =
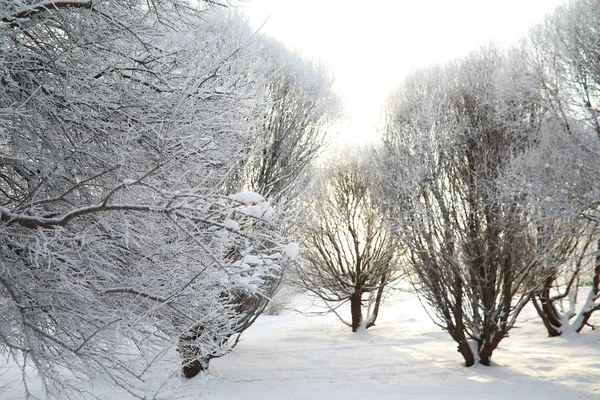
point(47, 5)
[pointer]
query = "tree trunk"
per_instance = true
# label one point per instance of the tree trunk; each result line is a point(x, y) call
point(192, 360)
point(547, 313)
point(378, 297)
point(465, 350)
point(486, 348)
point(458, 334)
point(485, 355)
point(544, 305)
point(458, 331)
point(356, 309)
point(192, 368)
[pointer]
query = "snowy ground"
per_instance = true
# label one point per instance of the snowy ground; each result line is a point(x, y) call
point(292, 356)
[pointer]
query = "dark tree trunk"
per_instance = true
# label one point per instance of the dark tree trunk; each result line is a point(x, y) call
point(465, 350)
point(356, 309)
point(486, 348)
point(485, 354)
point(485, 357)
point(192, 360)
point(496, 323)
point(458, 331)
point(544, 305)
point(192, 368)
point(458, 334)
point(547, 312)
point(378, 297)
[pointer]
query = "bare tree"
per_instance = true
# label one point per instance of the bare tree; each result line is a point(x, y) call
point(557, 181)
point(450, 132)
point(119, 122)
point(350, 255)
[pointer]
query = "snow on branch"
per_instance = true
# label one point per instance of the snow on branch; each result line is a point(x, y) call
point(253, 205)
point(33, 9)
point(42, 222)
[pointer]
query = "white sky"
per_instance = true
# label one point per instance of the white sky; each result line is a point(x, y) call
point(371, 45)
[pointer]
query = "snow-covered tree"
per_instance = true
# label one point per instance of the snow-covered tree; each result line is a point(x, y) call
point(300, 104)
point(291, 120)
point(119, 123)
point(450, 132)
point(288, 123)
point(349, 254)
point(562, 169)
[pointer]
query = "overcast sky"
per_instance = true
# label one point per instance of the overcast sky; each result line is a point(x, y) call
point(371, 45)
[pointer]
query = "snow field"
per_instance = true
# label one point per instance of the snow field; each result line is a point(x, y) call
point(405, 356)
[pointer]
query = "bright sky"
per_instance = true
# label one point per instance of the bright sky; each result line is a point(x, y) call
point(371, 45)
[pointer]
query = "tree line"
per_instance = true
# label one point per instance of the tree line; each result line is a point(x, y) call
point(485, 184)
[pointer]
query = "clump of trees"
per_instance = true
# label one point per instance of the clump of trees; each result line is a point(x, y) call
point(489, 179)
point(349, 254)
point(121, 237)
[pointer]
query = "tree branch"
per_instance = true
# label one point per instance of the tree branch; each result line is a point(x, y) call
point(45, 6)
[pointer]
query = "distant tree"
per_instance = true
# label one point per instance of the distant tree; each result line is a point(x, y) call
point(349, 253)
point(292, 118)
point(450, 132)
point(119, 124)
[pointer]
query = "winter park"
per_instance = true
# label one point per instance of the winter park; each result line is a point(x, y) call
point(274, 199)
